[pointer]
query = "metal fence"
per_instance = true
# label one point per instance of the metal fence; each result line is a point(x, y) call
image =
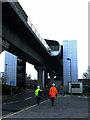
point(38, 35)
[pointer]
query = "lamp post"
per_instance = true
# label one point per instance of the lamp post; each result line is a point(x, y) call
point(70, 75)
point(5, 73)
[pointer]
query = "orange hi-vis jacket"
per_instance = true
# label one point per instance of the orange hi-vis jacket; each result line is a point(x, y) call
point(53, 91)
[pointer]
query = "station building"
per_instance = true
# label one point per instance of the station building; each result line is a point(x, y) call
point(14, 68)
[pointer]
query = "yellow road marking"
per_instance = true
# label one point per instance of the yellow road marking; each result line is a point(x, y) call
point(6, 115)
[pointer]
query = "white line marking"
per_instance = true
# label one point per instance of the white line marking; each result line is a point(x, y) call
point(28, 98)
point(11, 102)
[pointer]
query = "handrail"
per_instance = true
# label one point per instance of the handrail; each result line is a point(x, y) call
point(38, 35)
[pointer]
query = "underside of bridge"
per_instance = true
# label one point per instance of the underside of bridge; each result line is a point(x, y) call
point(23, 42)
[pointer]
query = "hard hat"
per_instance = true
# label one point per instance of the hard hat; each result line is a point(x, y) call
point(38, 86)
point(53, 84)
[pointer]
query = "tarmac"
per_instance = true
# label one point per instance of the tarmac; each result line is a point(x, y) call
point(64, 107)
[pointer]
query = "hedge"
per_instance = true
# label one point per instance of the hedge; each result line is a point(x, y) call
point(6, 89)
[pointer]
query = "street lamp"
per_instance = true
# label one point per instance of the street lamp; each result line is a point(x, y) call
point(70, 75)
point(5, 73)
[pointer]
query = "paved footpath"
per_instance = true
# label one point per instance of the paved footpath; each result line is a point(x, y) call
point(64, 107)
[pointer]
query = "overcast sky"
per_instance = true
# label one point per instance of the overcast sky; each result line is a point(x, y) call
point(61, 20)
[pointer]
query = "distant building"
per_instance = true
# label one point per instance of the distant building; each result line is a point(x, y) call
point(13, 69)
point(86, 86)
point(9, 67)
point(2, 77)
point(70, 51)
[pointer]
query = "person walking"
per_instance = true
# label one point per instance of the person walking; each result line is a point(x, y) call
point(62, 90)
point(53, 93)
point(38, 93)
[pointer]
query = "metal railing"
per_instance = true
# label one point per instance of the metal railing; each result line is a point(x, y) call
point(38, 35)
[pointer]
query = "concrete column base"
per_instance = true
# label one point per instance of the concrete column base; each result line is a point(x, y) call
point(41, 72)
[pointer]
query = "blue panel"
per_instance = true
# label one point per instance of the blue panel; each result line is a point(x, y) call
point(12, 83)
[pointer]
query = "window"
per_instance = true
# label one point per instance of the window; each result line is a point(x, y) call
point(75, 85)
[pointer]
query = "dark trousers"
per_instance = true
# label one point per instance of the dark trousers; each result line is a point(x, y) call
point(52, 100)
point(38, 100)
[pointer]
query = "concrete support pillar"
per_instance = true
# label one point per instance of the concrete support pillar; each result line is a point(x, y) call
point(41, 73)
point(46, 79)
point(51, 79)
point(0, 46)
point(0, 27)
